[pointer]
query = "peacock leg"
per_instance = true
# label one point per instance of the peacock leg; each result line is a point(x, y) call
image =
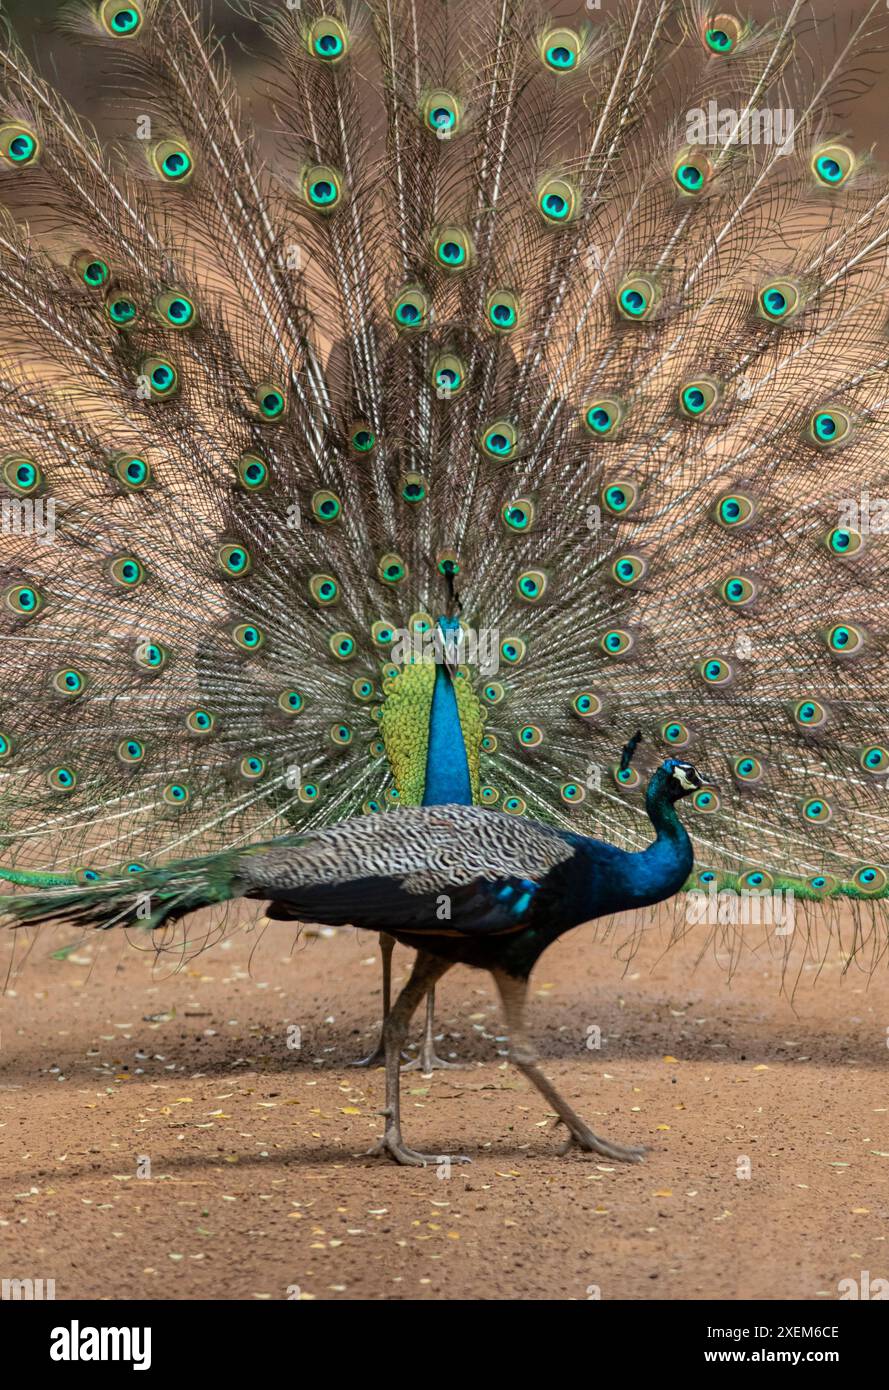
point(428, 1060)
point(378, 1057)
point(513, 993)
point(427, 969)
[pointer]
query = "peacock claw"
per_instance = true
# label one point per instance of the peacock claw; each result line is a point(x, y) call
point(376, 1059)
point(588, 1142)
point(391, 1143)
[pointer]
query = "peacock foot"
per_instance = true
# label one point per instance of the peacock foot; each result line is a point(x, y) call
point(391, 1143)
point(428, 1061)
point(377, 1058)
point(582, 1137)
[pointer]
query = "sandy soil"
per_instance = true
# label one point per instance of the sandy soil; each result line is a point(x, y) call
point(110, 1057)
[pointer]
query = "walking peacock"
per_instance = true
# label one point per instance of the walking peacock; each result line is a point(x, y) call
point(367, 480)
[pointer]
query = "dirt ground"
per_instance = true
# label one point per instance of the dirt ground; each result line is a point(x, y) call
point(767, 1124)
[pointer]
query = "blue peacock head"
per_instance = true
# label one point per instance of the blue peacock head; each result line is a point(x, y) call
point(682, 778)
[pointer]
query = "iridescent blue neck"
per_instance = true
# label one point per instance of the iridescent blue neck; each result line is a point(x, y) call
point(447, 767)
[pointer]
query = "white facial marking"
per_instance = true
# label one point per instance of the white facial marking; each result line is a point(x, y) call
point(679, 774)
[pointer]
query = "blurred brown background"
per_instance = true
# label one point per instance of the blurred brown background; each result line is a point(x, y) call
point(825, 25)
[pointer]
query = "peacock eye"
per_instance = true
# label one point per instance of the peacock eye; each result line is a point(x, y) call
point(629, 569)
point(92, 270)
point(603, 418)
point(341, 734)
point(558, 201)
point(126, 571)
point(809, 714)
point(616, 642)
point(698, 397)
point(447, 562)
point(327, 40)
point(832, 164)
point(514, 806)
point(531, 585)
point(560, 50)
point(619, 497)
point(291, 702)
point(572, 793)
point(513, 650)
point(420, 622)
point(586, 704)
point(489, 743)
point(131, 472)
point(822, 885)
point(448, 376)
point(342, 645)
point(817, 810)
point(715, 671)
point(637, 298)
point(488, 795)
point(176, 794)
point(779, 300)
point(252, 767)
point(722, 33)
point(152, 657)
point(62, 779)
point(875, 758)
point(734, 510)
point(308, 792)
point(234, 560)
point(200, 721)
point(499, 440)
point(493, 693)
point(22, 476)
point(626, 777)
point(675, 733)
point(270, 400)
point(130, 751)
point(747, 768)
point(705, 801)
point(870, 879)
point(442, 113)
point(844, 540)
point(70, 683)
point(172, 160)
point(758, 880)
point(411, 309)
point(452, 248)
point(738, 591)
point(692, 171)
point(23, 600)
point(503, 311)
point(843, 639)
point(176, 310)
point(121, 310)
point(413, 487)
point(19, 145)
point(324, 590)
point(382, 634)
point(121, 21)
point(6, 747)
point(362, 438)
point(253, 473)
point(326, 506)
point(518, 514)
point(363, 689)
point(322, 187)
point(829, 426)
point(391, 568)
point(160, 376)
point(248, 637)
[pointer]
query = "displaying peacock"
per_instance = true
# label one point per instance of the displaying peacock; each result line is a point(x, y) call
point(366, 480)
